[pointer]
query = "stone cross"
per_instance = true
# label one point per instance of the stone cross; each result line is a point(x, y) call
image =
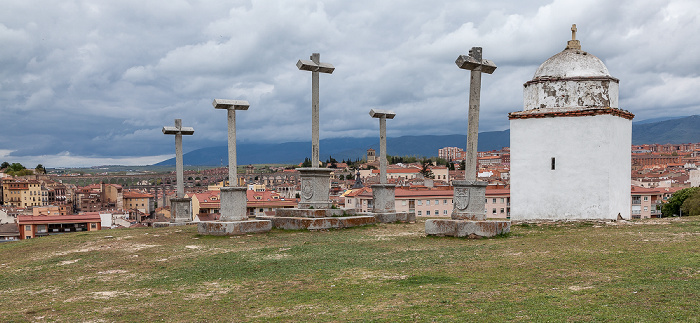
point(315, 66)
point(476, 65)
point(231, 106)
point(178, 130)
point(382, 115)
point(573, 43)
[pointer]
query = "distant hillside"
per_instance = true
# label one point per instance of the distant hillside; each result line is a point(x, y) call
point(675, 131)
point(339, 148)
point(680, 130)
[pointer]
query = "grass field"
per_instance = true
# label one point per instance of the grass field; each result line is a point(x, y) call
point(637, 271)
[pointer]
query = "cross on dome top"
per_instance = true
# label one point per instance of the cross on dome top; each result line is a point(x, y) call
point(573, 43)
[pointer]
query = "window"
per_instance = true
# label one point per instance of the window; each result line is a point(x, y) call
point(444, 201)
point(494, 211)
point(502, 210)
point(403, 202)
point(27, 228)
point(420, 202)
point(437, 212)
point(437, 202)
point(93, 225)
point(646, 198)
point(502, 201)
point(444, 212)
point(554, 163)
point(419, 212)
point(427, 212)
point(494, 201)
point(427, 202)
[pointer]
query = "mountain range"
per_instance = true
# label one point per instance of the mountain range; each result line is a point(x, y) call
point(674, 130)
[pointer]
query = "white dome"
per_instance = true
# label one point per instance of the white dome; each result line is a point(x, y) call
point(572, 63)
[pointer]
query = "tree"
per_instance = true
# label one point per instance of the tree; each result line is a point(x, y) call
point(306, 163)
point(691, 205)
point(40, 169)
point(463, 165)
point(427, 173)
point(673, 205)
point(4, 165)
point(341, 177)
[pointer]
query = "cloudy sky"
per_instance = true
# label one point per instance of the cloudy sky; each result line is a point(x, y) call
point(93, 82)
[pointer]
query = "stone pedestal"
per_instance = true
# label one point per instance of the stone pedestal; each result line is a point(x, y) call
point(384, 198)
point(233, 220)
point(469, 200)
point(384, 205)
point(233, 204)
point(315, 188)
point(465, 228)
point(180, 210)
point(468, 216)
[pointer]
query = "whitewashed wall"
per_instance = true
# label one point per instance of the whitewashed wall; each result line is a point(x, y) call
point(592, 175)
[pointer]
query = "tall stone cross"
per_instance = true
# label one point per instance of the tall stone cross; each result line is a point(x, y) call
point(178, 130)
point(382, 115)
point(573, 32)
point(476, 65)
point(315, 66)
point(231, 106)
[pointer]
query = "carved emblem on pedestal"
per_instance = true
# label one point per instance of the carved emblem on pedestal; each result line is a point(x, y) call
point(461, 198)
point(307, 189)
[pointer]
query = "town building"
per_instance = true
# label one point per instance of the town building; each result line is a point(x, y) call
point(451, 153)
point(38, 226)
point(571, 144)
point(24, 193)
point(135, 200)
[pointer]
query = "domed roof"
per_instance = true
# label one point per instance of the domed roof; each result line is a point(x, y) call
point(572, 62)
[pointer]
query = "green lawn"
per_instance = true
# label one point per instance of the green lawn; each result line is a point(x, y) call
point(641, 271)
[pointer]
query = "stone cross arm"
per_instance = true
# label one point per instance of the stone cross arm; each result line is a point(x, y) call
point(306, 65)
point(474, 62)
point(178, 129)
point(230, 104)
point(382, 113)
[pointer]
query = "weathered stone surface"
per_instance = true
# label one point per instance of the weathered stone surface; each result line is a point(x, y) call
point(312, 213)
point(181, 210)
point(462, 228)
point(223, 228)
point(171, 224)
point(233, 204)
point(315, 186)
point(384, 198)
point(395, 217)
point(299, 223)
point(469, 197)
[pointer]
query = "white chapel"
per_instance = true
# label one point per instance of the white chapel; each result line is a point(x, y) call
point(570, 145)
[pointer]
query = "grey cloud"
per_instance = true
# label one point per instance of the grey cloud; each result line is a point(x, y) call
point(100, 79)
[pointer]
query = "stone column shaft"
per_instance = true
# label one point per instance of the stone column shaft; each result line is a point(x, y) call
point(382, 150)
point(179, 168)
point(315, 145)
point(473, 131)
point(232, 161)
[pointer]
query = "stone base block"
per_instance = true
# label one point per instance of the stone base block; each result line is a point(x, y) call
point(171, 224)
point(395, 217)
point(312, 213)
point(308, 223)
point(180, 209)
point(223, 228)
point(233, 204)
point(462, 228)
